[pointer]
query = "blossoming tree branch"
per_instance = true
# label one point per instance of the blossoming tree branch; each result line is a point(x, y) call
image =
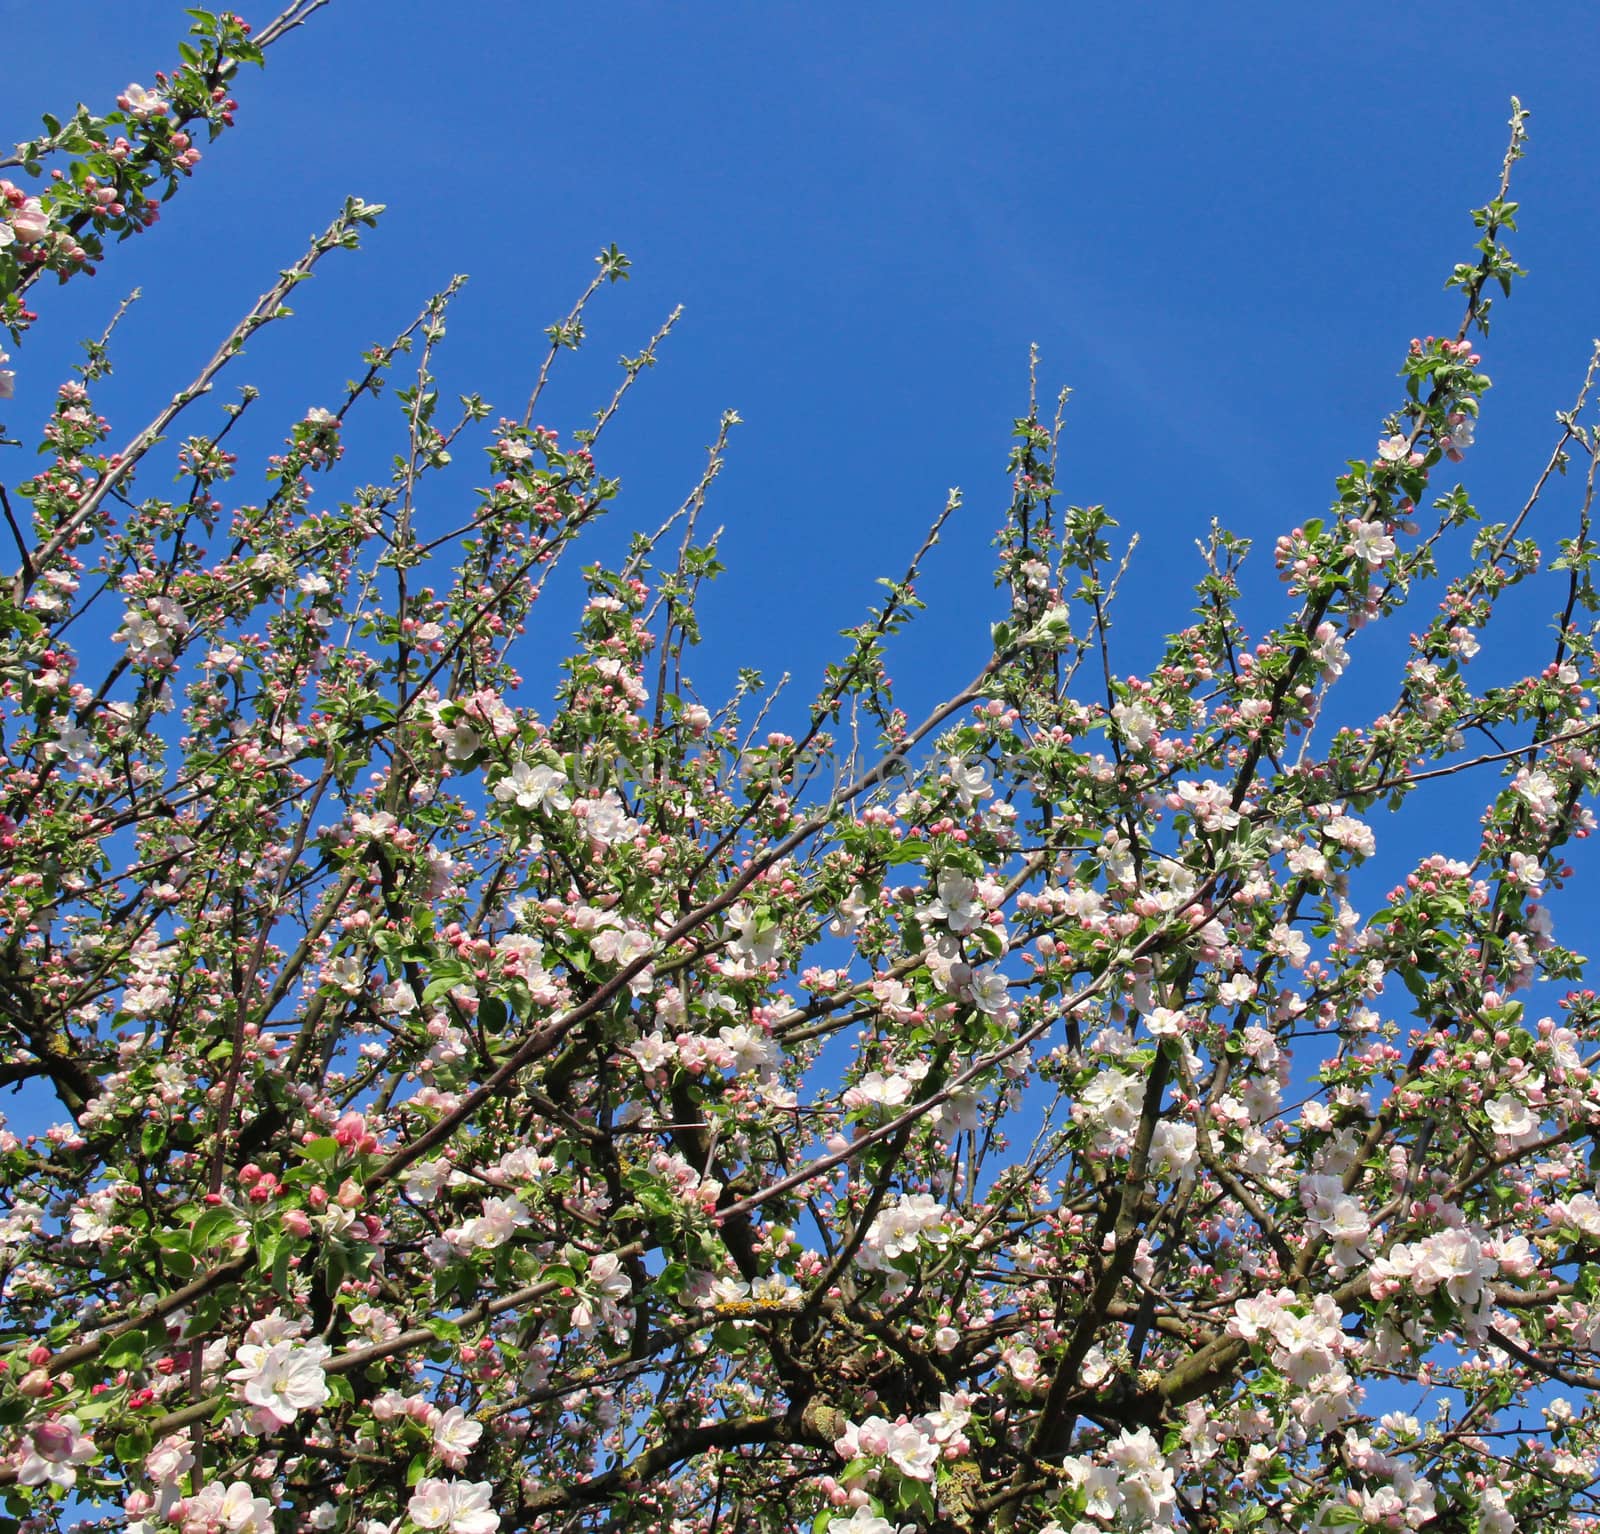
point(1020, 1127)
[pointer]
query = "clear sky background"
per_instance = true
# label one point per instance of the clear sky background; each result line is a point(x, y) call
point(1221, 224)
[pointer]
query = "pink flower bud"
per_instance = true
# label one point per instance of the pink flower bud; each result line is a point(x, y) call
point(52, 1441)
point(350, 1130)
point(30, 223)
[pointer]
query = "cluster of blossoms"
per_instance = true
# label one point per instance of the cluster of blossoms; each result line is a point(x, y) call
point(903, 1227)
point(1456, 1260)
point(457, 1507)
point(120, 166)
point(23, 220)
point(1306, 1344)
point(1132, 1485)
point(277, 1375)
point(912, 1449)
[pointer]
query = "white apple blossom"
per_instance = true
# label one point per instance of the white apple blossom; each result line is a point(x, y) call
point(1369, 542)
point(898, 1229)
point(605, 819)
point(862, 1520)
point(281, 1379)
point(881, 1090)
point(1135, 722)
point(1511, 1118)
point(455, 1435)
point(990, 990)
point(142, 104)
point(52, 1452)
point(457, 1507)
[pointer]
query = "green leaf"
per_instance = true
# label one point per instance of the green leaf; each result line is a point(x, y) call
point(126, 1351)
point(448, 974)
point(280, 1268)
point(212, 1226)
point(133, 1446)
